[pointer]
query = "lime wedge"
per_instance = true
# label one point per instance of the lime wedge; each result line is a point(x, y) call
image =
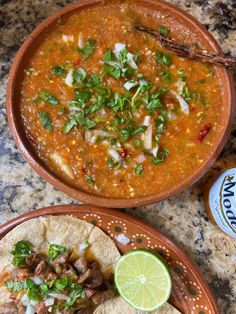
point(143, 280)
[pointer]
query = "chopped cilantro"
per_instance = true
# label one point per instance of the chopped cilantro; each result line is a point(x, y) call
point(113, 70)
point(161, 157)
point(58, 71)
point(111, 163)
point(89, 48)
point(139, 130)
point(162, 58)
point(54, 250)
point(125, 134)
point(79, 76)
point(49, 99)
point(164, 31)
point(45, 120)
point(14, 286)
point(138, 170)
point(166, 76)
point(90, 179)
point(20, 251)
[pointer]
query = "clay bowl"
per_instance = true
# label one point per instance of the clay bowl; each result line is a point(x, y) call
point(17, 128)
point(190, 293)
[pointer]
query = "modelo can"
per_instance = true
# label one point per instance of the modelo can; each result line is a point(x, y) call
point(220, 200)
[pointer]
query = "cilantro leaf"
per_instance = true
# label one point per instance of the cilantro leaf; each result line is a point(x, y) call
point(139, 130)
point(138, 170)
point(14, 286)
point(89, 48)
point(54, 250)
point(161, 157)
point(45, 120)
point(79, 75)
point(49, 99)
point(20, 251)
point(113, 70)
point(58, 71)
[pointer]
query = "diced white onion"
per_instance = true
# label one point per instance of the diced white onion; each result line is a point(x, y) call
point(143, 83)
point(147, 138)
point(183, 104)
point(155, 150)
point(147, 120)
point(117, 49)
point(49, 302)
point(25, 300)
point(114, 154)
point(37, 280)
point(106, 143)
point(180, 85)
point(93, 139)
point(30, 309)
point(59, 296)
point(130, 60)
point(172, 116)
point(102, 133)
point(140, 158)
point(69, 78)
point(33, 303)
point(102, 112)
point(130, 84)
point(114, 63)
point(80, 41)
point(64, 167)
point(67, 38)
point(84, 245)
point(88, 136)
point(123, 239)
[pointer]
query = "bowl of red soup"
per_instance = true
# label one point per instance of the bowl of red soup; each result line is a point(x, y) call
point(107, 115)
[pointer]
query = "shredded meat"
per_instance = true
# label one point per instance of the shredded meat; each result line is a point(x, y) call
point(11, 308)
point(43, 269)
point(102, 296)
point(40, 308)
point(89, 292)
point(81, 265)
point(19, 274)
point(85, 311)
point(92, 278)
point(62, 258)
point(32, 260)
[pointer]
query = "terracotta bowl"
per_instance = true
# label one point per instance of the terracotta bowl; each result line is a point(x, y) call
point(15, 122)
point(190, 293)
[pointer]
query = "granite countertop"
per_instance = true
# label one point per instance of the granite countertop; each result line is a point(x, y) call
point(182, 217)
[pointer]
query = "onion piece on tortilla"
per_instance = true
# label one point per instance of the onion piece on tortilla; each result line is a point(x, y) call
point(59, 296)
point(30, 309)
point(49, 302)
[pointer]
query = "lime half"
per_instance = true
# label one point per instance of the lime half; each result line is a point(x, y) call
point(143, 280)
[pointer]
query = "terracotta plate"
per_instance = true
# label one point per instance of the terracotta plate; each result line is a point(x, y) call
point(190, 294)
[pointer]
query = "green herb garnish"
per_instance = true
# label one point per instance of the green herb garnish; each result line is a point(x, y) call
point(21, 250)
point(49, 99)
point(79, 76)
point(139, 130)
point(14, 286)
point(138, 170)
point(58, 71)
point(164, 31)
point(90, 179)
point(162, 58)
point(78, 292)
point(89, 48)
point(55, 250)
point(45, 120)
point(161, 157)
point(113, 70)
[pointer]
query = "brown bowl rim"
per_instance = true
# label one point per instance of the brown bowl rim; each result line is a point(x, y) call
point(102, 200)
point(73, 209)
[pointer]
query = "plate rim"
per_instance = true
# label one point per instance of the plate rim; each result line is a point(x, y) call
point(69, 209)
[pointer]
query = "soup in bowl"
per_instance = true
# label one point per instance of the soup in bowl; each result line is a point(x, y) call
point(109, 116)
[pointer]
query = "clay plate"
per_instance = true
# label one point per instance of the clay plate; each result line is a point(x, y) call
point(190, 293)
point(17, 128)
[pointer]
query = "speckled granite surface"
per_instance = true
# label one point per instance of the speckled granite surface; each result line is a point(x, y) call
point(182, 217)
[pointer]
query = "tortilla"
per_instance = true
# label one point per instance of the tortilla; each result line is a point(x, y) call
point(68, 231)
point(118, 306)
